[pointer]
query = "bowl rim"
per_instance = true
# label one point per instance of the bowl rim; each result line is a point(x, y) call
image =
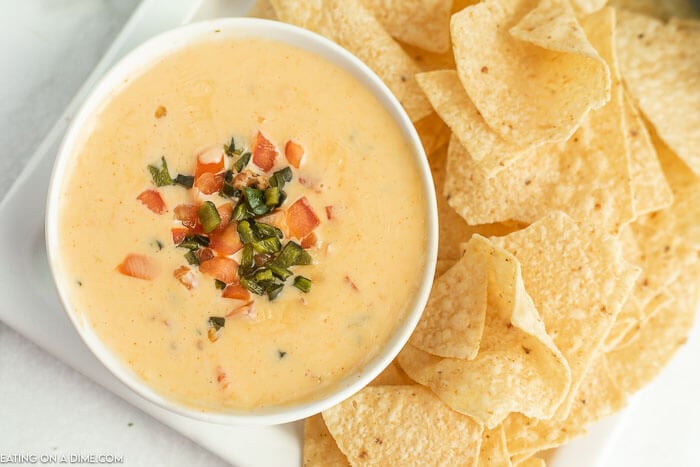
point(143, 57)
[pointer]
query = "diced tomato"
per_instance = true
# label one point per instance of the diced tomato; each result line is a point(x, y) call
point(227, 241)
point(277, 218)
point(224, 269)
point(210, 161)
point(179, 234)
point(204, 254)
point(209, 183)
point(294, 153)
point(301, 218)
point(236, 292)
point(329, 212)
point(139, 266)
point(308, 241)
point(264, 152)
point(185, 276)
point(153, 201)
point(187, 214)
point(225, 213)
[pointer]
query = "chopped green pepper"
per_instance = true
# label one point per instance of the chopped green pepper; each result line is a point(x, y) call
point(280, 272)
point(267, 245)
point(247, 263)
point(253, 286)
point(302, 283)
point(267, 230)
point(160, 175)
point(245, 231)
point(242, 161)
point(264, 275)
point(217, 322)
point(191, 258)
point(184, 180)
point(209, 216)
point(274, 290)
point(221, 285)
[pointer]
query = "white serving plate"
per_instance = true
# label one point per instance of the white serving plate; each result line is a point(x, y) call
point(29, 297)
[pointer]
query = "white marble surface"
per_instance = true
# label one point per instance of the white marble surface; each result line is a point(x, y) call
point(47, 48)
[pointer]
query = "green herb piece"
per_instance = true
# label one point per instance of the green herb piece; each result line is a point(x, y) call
point(255, 199)
point(264, 275)
point(217, 322)
point(128, 424)
point(292, 254)
point(272, 196)
point(193, 242)
point(209, 216)
point(160, 175)
point(281, 177)
point(191, 258)
point(245, 231)
point(302, 283)
point(278, 271)
point(221, 285)
point(228, 190)
point(253, 286)
point(240, 212)
point(247, 262)
point(184, 180)
point(228, 176)
point(242, 161)
point(267, 245)
point(267, 230)
point(158, 244)
point(80, 283)
point(273, 291)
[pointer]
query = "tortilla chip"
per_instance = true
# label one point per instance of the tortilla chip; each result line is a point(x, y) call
point(320, 449)
point(488, 150)
point(662, 9)
point(637, 364)
point(494, 452)
point(681, 219)
point(428, 61)
point(597, 397)
point(453, 230)
point(453, 320)
point(517, 368)
point(631, 320)
point(587, 177)
point(527, 93)
point(650, 190)
point(532, 462)
point(578, 281)
point(262, 9)
point(434, 134)
point(352, 26)
point(402, 425)
point(586, 7)
point(660, 65)
point(422, 23)
point(392, 375)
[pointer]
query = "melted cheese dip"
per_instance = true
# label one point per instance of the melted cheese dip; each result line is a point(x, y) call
point(368, 262)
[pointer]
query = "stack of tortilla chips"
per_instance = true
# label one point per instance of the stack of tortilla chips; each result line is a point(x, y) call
point(564, 139)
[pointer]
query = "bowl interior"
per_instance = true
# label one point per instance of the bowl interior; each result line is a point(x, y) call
point(139, 60)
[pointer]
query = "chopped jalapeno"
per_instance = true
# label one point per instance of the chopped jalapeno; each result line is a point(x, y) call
point(217, 322)
point(221, 285)
point(242, 161)
point(272, 196)
point(191, 258)
point(273, 291)
point(160, 175)
point(184, 180)
point(264, 275)
point(255, 199)
point(208, 216)
point(280, 272)
point(267, 245)
point(280, 177)
point(247, 262)
point(302, 283)
point(228, 190)
point(240, 212)
point(245, 231)
point(253, 286)
point(267, 230)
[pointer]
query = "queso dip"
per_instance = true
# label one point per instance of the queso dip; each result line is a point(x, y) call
point(230, 150)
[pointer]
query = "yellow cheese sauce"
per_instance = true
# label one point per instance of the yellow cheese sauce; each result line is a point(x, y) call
point(368, 261)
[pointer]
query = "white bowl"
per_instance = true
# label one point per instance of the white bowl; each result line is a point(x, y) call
point(140, 59)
